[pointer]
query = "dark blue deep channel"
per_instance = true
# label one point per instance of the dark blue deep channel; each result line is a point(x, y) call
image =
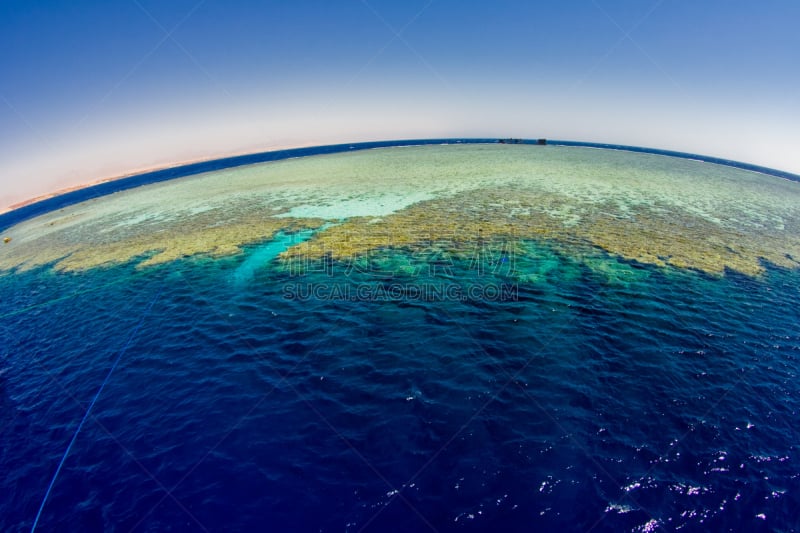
point(249, 399)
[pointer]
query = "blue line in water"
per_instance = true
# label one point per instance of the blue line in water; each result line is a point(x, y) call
point(89, 409)
point(682, 155)
point(268, 252)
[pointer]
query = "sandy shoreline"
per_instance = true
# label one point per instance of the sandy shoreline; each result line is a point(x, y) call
point(145, 170)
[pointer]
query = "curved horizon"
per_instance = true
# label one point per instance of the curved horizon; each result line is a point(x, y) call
point(92, 90)
point(73, 195)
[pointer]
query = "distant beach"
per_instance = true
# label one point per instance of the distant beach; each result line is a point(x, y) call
point(150, 168)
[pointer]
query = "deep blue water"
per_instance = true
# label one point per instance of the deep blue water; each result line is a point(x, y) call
point(578, 402)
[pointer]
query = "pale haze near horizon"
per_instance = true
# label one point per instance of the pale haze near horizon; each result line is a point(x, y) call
point(92, 92)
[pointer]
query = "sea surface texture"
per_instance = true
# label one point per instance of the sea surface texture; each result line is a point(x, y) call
point(423, 338)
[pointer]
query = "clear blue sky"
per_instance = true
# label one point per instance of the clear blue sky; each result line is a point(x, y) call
point(92, 89)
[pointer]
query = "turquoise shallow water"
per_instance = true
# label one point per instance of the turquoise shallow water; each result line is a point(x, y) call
point(618, 398)
point(266, 253)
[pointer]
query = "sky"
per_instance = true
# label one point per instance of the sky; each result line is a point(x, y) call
point(91, 89)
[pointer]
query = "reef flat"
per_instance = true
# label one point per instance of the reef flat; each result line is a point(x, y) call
point(504, 217)
point(647, 208)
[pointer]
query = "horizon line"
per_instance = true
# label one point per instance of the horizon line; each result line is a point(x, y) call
point(40, 205)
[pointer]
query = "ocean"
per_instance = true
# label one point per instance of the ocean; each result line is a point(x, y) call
point(550, 384)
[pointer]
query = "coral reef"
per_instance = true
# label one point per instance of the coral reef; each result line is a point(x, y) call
point(430, 202)
point(465, 222)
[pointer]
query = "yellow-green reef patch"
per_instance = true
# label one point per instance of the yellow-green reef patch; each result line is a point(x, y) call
point(647, 208)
